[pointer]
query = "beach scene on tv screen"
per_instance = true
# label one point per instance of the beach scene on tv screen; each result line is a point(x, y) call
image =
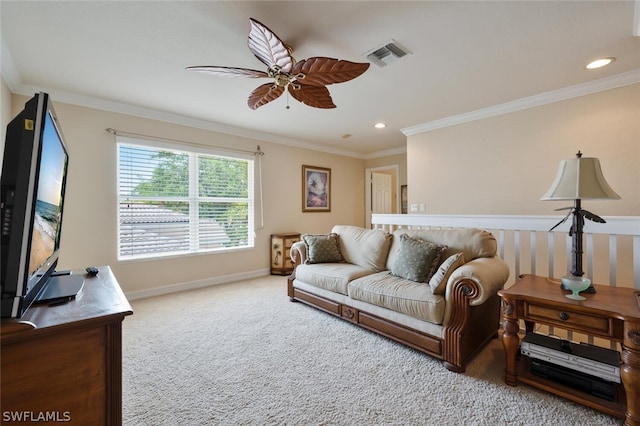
point(47, 218)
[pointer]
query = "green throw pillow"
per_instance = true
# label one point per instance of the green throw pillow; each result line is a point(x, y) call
point(417, 259)
point(323, 248)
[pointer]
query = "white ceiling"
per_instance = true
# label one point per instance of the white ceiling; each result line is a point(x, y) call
point(465, 56)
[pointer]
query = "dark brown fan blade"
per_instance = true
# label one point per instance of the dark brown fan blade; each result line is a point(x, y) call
point(314, 96)
point(229, 71)
point(322, 71)
point(268, 47)
point(264, 94)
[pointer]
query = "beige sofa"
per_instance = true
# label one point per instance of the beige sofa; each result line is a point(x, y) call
point(377, 280)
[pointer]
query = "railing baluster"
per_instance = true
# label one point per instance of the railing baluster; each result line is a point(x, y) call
point(568, 244)
point(516, 248)
point(636, 261)
point(532, 245)
point(589, 250)
point(550, 251)
point(613, 260)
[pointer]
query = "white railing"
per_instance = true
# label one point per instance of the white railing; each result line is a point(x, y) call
point(612, 249)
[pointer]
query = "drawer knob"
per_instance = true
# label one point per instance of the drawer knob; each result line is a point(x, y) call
point(564, 316)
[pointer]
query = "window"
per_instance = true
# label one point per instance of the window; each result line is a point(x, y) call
point(177, 200)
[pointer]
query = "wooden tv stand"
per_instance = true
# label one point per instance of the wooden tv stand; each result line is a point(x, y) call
point(64, 363)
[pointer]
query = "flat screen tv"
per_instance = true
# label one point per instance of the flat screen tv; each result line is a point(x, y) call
point(34, 172)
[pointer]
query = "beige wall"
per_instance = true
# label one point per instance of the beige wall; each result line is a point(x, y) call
point(504, 164)
point(89, 228)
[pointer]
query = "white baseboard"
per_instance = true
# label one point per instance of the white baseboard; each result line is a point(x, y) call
point(192, 285)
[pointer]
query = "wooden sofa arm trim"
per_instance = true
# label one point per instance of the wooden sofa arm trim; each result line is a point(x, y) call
point(295, 256)
point(463, 292)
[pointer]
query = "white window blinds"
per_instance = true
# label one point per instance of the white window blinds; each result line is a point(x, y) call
point(177, 200)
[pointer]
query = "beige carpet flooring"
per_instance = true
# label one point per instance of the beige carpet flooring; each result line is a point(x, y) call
point(243, 354)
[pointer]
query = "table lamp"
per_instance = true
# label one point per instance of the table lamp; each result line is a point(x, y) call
point(579, 179)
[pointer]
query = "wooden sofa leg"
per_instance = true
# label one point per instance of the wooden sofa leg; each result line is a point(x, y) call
point(453, 368)
point(290, 291)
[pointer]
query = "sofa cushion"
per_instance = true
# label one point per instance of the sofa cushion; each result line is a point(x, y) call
point(367, 248)
point(400, 295)
point(474, 243)
point(417, 259)
point(322, 248)
point(438, 281)
point(330, 276)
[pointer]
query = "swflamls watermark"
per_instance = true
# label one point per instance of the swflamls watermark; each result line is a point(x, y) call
point(36, 416)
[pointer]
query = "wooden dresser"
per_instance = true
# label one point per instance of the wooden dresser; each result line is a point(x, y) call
point(64, 363)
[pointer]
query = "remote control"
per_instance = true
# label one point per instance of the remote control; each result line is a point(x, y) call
point(92, 271)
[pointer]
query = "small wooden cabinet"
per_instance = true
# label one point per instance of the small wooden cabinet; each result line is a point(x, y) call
point(281, 263)
point(64, 363)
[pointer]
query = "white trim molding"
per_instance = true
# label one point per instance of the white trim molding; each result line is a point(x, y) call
point(575, 91)
point(615, 225)
point(193, 285)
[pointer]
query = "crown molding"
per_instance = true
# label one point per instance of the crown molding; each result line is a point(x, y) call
point(120, 108)
point(583, 89)
point(385, 153)
point(151, 114)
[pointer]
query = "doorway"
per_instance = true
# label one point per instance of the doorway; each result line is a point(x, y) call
point(382, 191)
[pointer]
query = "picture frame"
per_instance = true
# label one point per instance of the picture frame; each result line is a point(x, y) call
point(403, 199)
point(316, 189)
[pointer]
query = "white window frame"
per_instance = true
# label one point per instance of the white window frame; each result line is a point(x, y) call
point(193, 198)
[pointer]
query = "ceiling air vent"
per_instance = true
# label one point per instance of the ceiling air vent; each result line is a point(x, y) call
point(387, 54)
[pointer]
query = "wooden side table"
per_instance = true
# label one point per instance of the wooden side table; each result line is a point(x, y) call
point(281, 263)
point(611, 313)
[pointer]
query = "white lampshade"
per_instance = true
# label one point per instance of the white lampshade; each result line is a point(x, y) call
point(580, 178)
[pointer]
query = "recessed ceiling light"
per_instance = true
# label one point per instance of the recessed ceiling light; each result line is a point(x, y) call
point(599, 63)
point(380, 125)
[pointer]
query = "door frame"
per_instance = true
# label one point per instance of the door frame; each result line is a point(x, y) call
point(367, 190)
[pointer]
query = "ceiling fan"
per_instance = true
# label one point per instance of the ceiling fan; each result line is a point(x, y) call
point(305, 80)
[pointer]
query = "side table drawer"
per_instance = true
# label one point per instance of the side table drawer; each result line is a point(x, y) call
point(590, 324)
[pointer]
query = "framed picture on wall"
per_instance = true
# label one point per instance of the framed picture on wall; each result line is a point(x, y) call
point(403, 199)
point(316, 189)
